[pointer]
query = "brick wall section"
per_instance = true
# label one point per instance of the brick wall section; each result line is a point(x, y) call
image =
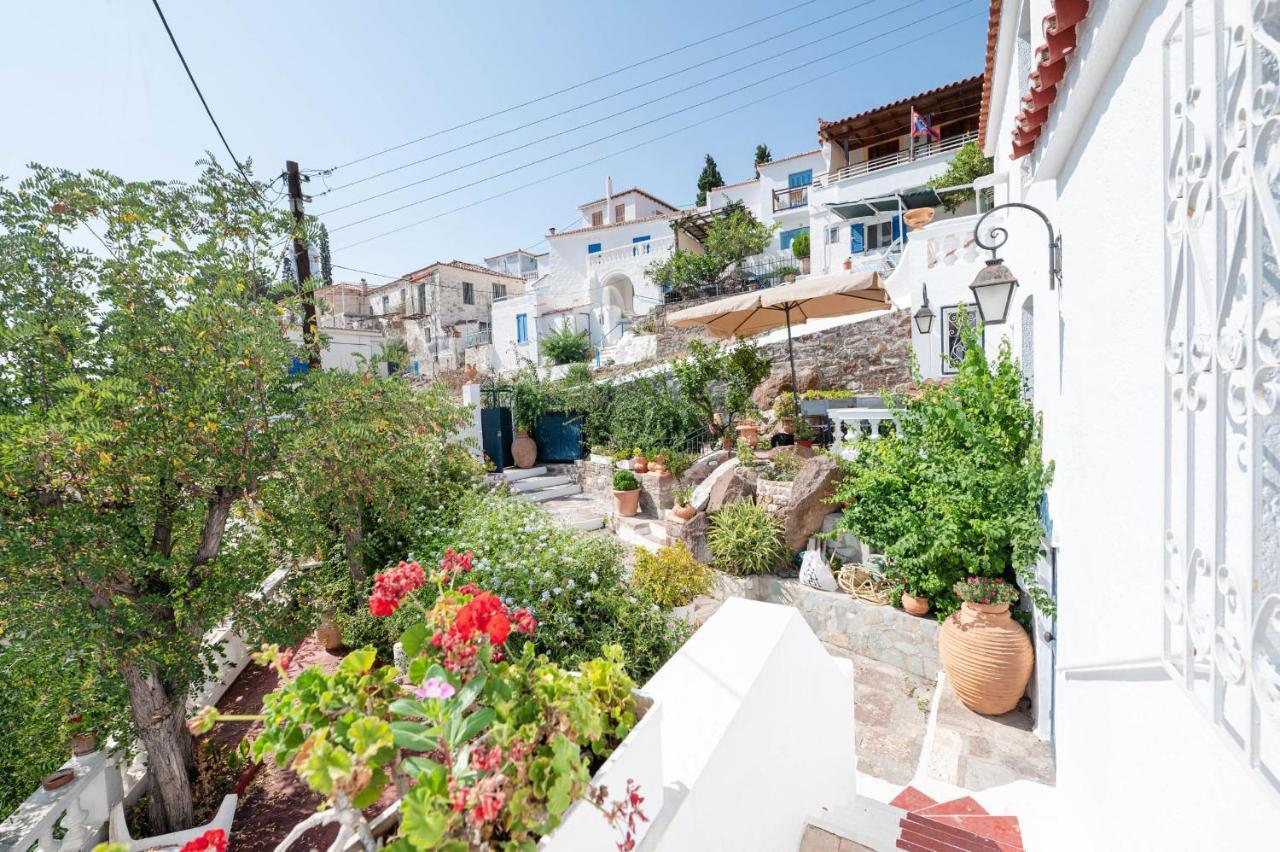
point(870, 356)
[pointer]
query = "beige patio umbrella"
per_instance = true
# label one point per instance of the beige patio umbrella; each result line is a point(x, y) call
point(835, 295)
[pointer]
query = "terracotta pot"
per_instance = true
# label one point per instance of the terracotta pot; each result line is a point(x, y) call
point(750, 432)
point(987, 656)
point(470, 373)
point(61, 778)
point(913, 605)
point(685, 512)
point(82, 744)
point(808, 445)
point(919, 217)
point(524, 452)
point(787, 425)
point(726, 443)
point(659, 466)
point(640, 464)
point(848, 264)
point(627, 502)
point(328, 633)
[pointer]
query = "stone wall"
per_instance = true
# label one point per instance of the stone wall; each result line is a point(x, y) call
point(595, 478)
point(869, 356)
point(657, 493)
point(774, 496)
point(882, 633)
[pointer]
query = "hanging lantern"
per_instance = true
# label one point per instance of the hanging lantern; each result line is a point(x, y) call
point(993, 291)
point(924, 316)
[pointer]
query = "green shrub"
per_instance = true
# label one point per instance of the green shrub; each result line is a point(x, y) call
point(577, 374)
point(800, 245)
point(745, 539)
point(717, 383)
point(563, 345)
point(746, 455)
point(785, 405)
point(671, 577)
point(956, 491)
point(783, 465)
point(836, 393)
point(625, 480)
point(574, 583)
point(651, 412)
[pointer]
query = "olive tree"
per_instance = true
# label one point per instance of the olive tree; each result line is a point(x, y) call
point(144, 388)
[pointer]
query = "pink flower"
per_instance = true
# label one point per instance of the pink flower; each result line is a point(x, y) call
point(434, 687)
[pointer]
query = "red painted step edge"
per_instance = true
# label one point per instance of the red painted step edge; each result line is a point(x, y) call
point(964, 806)
point(911, 799)
point(1000, 830)
point(944, 840)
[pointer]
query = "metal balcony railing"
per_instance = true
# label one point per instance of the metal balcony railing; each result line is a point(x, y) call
point(889, 161)
point(788, 198)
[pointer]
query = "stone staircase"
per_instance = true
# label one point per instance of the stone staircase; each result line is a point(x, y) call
point(915, 822)
point(559, 495)
point(640, 531)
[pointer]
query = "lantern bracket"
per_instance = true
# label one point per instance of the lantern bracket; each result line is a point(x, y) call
point(999, 236)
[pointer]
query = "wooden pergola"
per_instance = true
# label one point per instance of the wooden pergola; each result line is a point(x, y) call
point(953, 109)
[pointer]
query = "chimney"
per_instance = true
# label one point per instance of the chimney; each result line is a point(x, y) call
point(608, 200)
point(551, 232)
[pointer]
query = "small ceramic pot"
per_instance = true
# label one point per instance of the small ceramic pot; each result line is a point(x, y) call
point(685, 512)
point(82, 744)
point(913, 605)
point(328, 633)
point(640, 464)
point(627, 502)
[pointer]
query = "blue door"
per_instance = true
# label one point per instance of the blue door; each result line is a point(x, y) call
point(559, 437)
point(857, 239)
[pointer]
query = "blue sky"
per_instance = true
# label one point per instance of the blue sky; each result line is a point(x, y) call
point(96, 84)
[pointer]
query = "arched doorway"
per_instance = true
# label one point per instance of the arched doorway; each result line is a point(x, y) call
point(617, 300)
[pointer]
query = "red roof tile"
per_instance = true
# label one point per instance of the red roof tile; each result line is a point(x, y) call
point(638, 191)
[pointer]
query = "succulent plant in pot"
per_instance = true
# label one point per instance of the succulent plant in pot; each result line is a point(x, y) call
point(683, 508)
point(784, 408)
point(639, 461)
point(626, 493)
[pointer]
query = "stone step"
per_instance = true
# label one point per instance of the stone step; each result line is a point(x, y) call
point(642, 532)
point(865, 823)
point(535, 483)
point(578, 511)
point(514, 474)
point(552, 493)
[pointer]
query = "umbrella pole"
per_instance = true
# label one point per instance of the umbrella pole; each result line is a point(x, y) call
point(791, 354)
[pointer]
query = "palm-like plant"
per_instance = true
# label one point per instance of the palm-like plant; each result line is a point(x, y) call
point(565, 345)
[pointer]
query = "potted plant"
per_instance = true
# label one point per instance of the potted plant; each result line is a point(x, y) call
point(800, 249)
point(986, 654)
point(528, 403)
point(659, 463)
point(914, 604)
point(749, 429)
point(600, 455)
point(639, 461)
point(84, 736)
point(622, 459)
point(784, 408)
point(626, 493)
point(683, 508)
point(804, 434)
point(848, 264)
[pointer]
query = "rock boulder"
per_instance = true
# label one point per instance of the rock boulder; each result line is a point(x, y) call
point(739, 486)
point(815, 482)
point(767, 391)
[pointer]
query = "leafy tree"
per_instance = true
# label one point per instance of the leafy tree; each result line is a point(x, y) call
point(763, 155)
point(965, 167)
point(708, 179)
point(564, 345)
point(717, 383)
point(732, 236)
point(800, 245)
point(956, 490)
point(126, 452)
point(326, 257)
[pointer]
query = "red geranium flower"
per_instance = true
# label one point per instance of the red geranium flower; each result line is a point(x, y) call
point(213, 840)
point(390, 587)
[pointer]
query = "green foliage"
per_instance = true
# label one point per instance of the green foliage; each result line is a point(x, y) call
point(625, 480)
point(530, 398)
point(745, 539)
point(745, 454)
point(563, 345)
point(783, 465)
point(651, 412)
point(671, 577)
point(800, 245)
point(763, 155)
point(574, 583)
point(708, 179)
point(717, 384)
point(836, 393)
point(732, 235)
point(785, 405)
point(144, 392)
point(966, 166)
point(577, 375)
point(956, 491)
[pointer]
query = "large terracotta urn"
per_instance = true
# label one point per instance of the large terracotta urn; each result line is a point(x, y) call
point(524, 452)
point(987, 656)
point(749, 431)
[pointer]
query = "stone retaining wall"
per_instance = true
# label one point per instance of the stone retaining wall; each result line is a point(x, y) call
point(774, 496)
point(882, 633)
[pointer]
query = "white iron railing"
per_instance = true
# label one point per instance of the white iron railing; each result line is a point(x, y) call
point(71, 818)
point(642, 251)
point(849, 425)
point(933, 149)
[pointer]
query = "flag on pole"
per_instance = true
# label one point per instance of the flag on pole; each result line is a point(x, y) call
point(920, 126)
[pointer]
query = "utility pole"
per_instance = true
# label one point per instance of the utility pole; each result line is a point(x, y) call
point(302, 260)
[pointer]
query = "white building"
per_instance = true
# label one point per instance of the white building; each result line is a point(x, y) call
point(519, 264)
point(594, 280)
point(1148, 133)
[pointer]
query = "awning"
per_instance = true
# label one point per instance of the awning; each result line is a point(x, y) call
point(908, 199)
point(838, 294)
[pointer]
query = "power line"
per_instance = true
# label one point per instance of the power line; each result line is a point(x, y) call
point(621, 132)
point(596, 79)
point(619, 93)
point(209, 112)
point(652, 140)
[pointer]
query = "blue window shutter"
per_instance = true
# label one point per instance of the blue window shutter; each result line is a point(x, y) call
point(897, 227)
point(857, 238)
point(593, 248)
point(639, 239)
point(415, 368)
point(786, 237)
point(803, 178)
point(522, 328)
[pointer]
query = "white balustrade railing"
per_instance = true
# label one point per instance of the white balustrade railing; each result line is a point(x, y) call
point(70, 818)
point(643, 251)
point(933, 149)
point(849, 425)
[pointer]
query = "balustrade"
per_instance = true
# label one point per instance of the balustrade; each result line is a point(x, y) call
point(851, 424)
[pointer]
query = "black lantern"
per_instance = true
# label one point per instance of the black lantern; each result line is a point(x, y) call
point(993, 291)
point(924, 316)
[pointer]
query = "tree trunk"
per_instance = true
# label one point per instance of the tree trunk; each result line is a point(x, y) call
point(161, 723)
point(353, 540)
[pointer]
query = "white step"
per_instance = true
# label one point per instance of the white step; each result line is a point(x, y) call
point(578, 511)
point(586, 524)
point(865, 821)
point(642, 532)
point(514, 474)
point(552, 492)
point(535, 483)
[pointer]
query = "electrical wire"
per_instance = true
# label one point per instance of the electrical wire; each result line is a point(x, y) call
point(588, 143)
point(664, 136)
point(549, 95)
point(621, 92)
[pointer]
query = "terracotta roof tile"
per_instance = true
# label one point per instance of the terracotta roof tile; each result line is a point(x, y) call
point(1052, 57)
point(993, 37)
point(656, 216)
point(823, 124)
point(419, 274)
point(638, 191)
